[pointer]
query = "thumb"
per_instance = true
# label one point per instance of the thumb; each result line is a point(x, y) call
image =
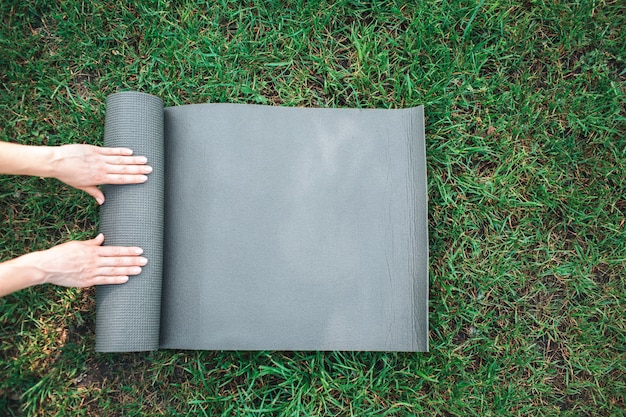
point(95, 192)
point(97, 241)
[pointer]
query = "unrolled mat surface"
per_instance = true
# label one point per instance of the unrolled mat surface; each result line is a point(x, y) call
point(268, 228)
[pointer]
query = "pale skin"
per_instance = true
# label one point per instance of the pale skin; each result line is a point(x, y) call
point(77, 263)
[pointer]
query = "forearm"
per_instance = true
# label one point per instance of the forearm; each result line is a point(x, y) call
point(18, 159)
point(18, 274)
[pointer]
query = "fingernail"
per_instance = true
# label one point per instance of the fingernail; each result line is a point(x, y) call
point(138, 251)
point(143, 178)
point(124, 279)
point(100, 200)
point(148, 169)
point(143, 159)
point(135, 270)
point(143, 261)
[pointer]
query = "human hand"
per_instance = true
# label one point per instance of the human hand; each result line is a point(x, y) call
point(86, 166)
point(83, 263)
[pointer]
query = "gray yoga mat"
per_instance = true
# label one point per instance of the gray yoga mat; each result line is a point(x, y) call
point(268, 228)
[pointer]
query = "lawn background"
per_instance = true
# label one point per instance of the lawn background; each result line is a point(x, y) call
point(527, 197)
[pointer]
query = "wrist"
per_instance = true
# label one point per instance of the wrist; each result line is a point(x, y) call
point(48, 156)
point(41, 161)
point(18, 274)
point(26, 268)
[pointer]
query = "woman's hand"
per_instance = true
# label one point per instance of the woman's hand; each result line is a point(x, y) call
point(72, 264)
point(85, 167)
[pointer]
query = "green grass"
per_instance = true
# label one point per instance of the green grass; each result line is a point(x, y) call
point(527, 184)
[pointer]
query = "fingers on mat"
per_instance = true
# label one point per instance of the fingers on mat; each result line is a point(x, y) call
point(116, 151)
point(123, 261)
point(119, 251)
point(125, 160)
point(128, 169)
point(110, 280)
point(125, 179)
point(116, 271)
